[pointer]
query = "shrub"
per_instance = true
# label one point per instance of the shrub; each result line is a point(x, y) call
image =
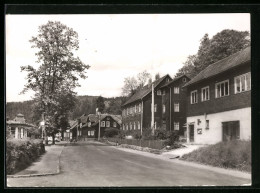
point(172, 139)
point(161, 134)
point(234, 154)
point(20, 153)
point(111, 132)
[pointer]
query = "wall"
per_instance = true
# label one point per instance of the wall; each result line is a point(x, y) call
point(226, 103)
point(214, 133)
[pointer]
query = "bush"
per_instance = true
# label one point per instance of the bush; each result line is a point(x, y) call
point(234, 154)
point(172, 139)
point(111, 132)
point(21, 152)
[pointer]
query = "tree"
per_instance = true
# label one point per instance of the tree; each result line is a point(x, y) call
point(57, 76)
point(221, 45)
point(132, 84)
point(157, 76)
point(100, 104)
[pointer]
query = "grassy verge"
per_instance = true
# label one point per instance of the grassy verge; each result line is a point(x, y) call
point(234, 154)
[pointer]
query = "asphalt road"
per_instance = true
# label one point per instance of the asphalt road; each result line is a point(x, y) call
point(93, 164)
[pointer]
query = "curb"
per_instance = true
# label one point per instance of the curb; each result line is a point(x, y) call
point(42, 174)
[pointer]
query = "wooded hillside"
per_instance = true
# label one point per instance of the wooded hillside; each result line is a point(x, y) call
point(85, 104)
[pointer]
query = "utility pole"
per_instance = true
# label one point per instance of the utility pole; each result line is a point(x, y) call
point(98, 126)
point(152, 119)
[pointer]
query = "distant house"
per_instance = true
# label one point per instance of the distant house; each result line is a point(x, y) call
point(219, 101)
point(18, 127)
point(91, 128)
point(174, 105)
point(136, 111)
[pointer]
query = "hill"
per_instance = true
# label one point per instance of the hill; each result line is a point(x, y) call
point(85, 104)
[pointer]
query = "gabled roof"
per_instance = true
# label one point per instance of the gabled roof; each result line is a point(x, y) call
point(144, 91)
point(117, 118)
point(223, 65)
point(174, 80)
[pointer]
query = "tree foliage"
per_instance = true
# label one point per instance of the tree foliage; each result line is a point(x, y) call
point(58, 73)
point(133, 84)
point(221, 45)
point(100, 104)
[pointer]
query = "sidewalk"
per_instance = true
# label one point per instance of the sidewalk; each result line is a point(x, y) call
point(46, 164)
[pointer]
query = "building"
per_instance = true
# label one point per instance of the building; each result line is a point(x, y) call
point(136, 111)
point(174, 105)
point(91, 128)
point(18, 128)
point(219, 101)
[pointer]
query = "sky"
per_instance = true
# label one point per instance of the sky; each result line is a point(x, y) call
point(116, 46)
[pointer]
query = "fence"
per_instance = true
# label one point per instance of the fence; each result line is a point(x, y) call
point(154, 144)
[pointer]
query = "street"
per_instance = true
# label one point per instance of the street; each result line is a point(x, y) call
point(92, 164)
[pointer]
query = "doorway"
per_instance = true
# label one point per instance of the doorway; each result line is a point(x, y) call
point(191, 132)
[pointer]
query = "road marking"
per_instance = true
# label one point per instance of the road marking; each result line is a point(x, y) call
point(138, 164)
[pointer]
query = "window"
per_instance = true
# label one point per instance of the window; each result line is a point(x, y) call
point(155, 107)
point(205, 94)
point(176, 90)
point(159, 92)
point(194, 97)
point(134, 126)
point(108, 123)
point(114, 124)
point(126, 126)
point(140, 107)
point(135, 108)
point(176, 126)
point(103, 123)
point(130, 126)
point(139, 126)
point(155, 125)
point(184, 79)
point(243, 83)
point(164, 108)
point(207, 124)
point(222, 89)
point(123, 126)
point(163, 92)
point(176, 107)
point(167, 80)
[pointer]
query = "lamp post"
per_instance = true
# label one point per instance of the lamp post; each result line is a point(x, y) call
point(98, 126)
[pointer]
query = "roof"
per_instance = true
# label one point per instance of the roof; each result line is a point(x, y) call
point(94, 118)
point(144, 91)
point(173, 80)
point(223, 65)
point(13, 122)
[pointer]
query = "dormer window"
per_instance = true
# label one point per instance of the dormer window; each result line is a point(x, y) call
point(184, 79)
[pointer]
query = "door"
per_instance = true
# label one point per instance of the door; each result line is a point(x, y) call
point(191, 133)
point(230, 130)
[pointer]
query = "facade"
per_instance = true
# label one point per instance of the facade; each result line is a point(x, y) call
point(219, 101)
point(75, 130)
point(174, 105)
point(18, 127)
point(91, 128)
point(136, 111)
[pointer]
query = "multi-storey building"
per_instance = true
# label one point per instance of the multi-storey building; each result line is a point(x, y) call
point(219, 101)
point(136, 111)
point(174, 105)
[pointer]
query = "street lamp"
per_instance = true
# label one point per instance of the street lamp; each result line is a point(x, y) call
point(98, 126)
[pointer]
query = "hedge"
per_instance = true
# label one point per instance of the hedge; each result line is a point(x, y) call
point(20, 153)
